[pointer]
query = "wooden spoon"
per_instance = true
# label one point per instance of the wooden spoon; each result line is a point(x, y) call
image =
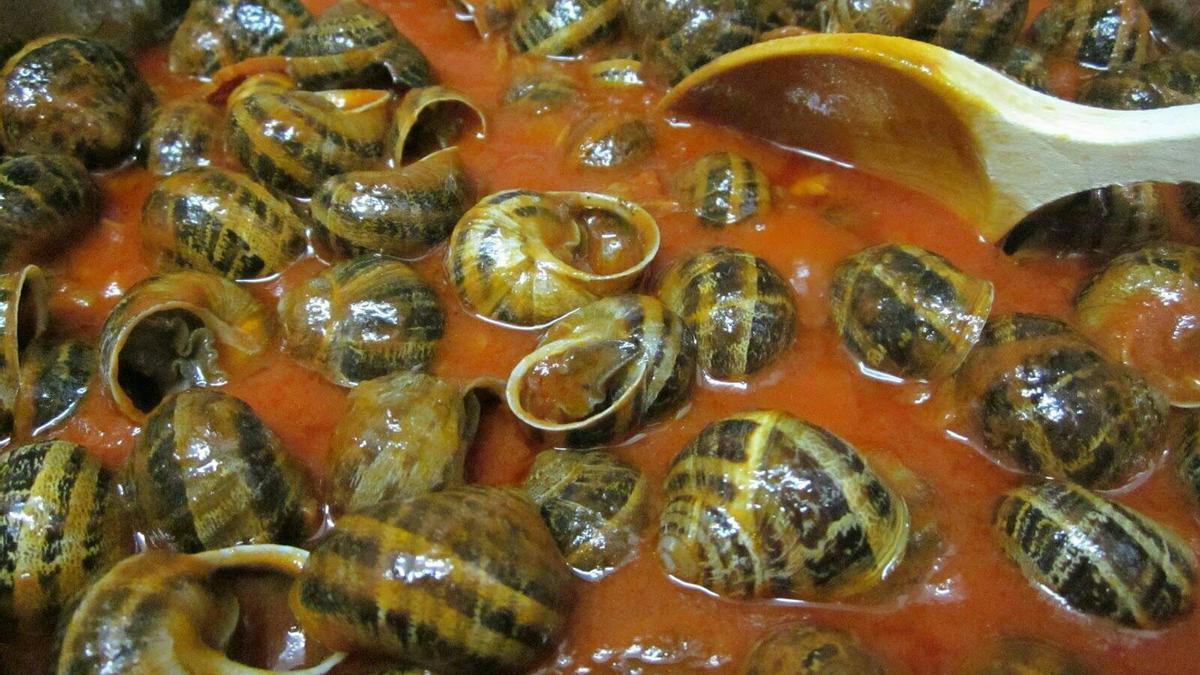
point(988, 147)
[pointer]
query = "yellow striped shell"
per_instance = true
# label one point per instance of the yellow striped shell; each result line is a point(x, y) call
point(679, 37)
point(206, 473)
point(430, 119)
point(183, 134)
point(738, 307)
point(401, 212)
point(884, 17)
point(1095, 555)
point(177, 331)
point(45, 201)
point(807, 649)
point(908, 312)
point(23, 318)
point(62, 526)
point(217, 33)
point(55, 378)
point(527, 258)
point(602, 373)
point(980, 29)
point(610, 140)
point(563, 27)
point(724, 188)
point(361, 319)
point(219, 221)
point(540, 92)
point(401, 435)
point(1096, 33)
point(763, 504)
point(292, 140)
point(465, 580)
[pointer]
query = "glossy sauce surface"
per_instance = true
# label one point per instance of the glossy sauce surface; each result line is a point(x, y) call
point(637, 619)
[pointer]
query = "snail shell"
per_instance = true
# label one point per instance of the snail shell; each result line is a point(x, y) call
point(1171, 80)
point(724, 188)
point(884, 17)
point(23, 318)
point(354, 45)
point(563, 27)
point(738, 307)
point(680, 37)
point(74, 96)
point(55, 377)
point(1095, 555)
point(217, 33)
point(540, 92)
point(430, 119)
point(980, 29)
point(400, 212)
point(1096, 33)
point(617, 73)
point(611, 141)
point(176, 331)
point(361, 319)
point(1186, 444)
point(763, 504)
point(1049, 403)
point(1027, 656)
point(206, 473)
point(184, 134)
point(63, 525)
point(805, 649)
point(603, 372)
point(1025, 65)
point(219, 221)
point(45, 200)
point(462, 580)
point(292, 140)
point(401, 436)
point(908, 312)
point(593, 503)
point(1106, 221)
point(527, 258)
point(1142, 310)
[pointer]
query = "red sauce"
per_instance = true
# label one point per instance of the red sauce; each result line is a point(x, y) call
point(638, 617)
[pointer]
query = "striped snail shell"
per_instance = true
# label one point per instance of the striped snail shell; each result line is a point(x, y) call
point(1025, 65)
point(563, 27)
point(594, 504)
point(401, 435)
point(45, 200)
point(55, 377)
point(401, 212)
point(63, 525)
point(1095, 555)
point(354, 45)
point(430, 119)
point(806, 649)
point(1171, 80)
point(603, 372)
point(1048, 403)
point(1026, 656)
point(23, 318)
point(1096, 33)
point(465, 580)
point(724, 188)
point(760, 483)
point(617, 73)
point(527, 258)
point(538, 93)
point(166, 612)
point(74, 96)
point(183, 134)
point(361, 319)
point(219, 221)
point(217, 33)
point(1141, 310)
point(1105, 221)
point(292, 140)
point(206, 473)
point(737, 305)
point(611, 141)
point(679, 37)
point(908, 312)
point(980, 29)
point(177, 331)
point(1186, 447)
point(884, 17)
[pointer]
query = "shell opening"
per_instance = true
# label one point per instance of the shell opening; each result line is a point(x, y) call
point(439, 126)
point(570, 386)
point(165, 353)
point(593, 240)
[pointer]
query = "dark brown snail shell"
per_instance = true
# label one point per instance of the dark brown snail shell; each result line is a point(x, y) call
point(611, 141)
point(1173, 79)
point(980, 29)
point(1026, 656)
point(74, 96)
point(908, 312)
point(563, 27)
point(1096, 33)
point(220, 221)
point(594, 504)
point(361, 319)
point(679, 37)
point(806, 649)
point(44, 201)
point(62, 526)
point(217, 33)
point(1025, 65)
point(183, 134)
point(540, 92)
point(738, 307)
point(758, 483)
point(206, 473)
point(125, 25)
point(23, 318)
point(462, 580)
point(1049, 403)
point(1095, 555)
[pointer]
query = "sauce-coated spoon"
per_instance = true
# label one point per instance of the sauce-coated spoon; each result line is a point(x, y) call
point(989, 148)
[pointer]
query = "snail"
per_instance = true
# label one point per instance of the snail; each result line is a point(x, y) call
point(617, 73)
point(563, 27)
point(55, 378)
point(680, 37)
point(980, 29)
point(724, 188)
point(45, 200)
point(540, 92)
point(1015, 655)
point(1097, 33)
point(183, 134)
point(805, 649)
point(611, 141)
point(1025, 65)
point(218, 33)
point(23, 318)
point(430, 119)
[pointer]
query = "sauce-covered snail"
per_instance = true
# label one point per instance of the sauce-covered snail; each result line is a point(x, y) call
point(805, 649)
point(183, 134)
point(216, 33)
point(44, 201)
point(724, 188)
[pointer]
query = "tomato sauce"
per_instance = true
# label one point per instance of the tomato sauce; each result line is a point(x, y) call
point(637, 619)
